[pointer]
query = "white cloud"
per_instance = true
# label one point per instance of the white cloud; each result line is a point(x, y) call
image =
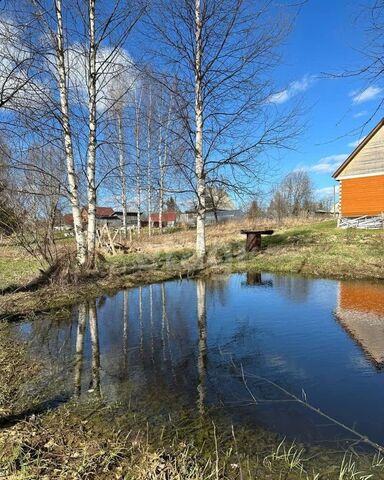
point(117, 74)
point(356, 142)
point(325, 192)
point(369, 93)
point(326, 164)
point(293, 89)
point(363, 113)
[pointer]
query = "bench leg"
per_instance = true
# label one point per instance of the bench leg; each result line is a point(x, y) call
point(253, 243)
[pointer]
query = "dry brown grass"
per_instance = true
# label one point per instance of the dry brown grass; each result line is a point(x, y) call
point(220, 234)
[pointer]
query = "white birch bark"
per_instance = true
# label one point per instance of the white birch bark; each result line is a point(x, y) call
point(149, 163)
point(123, 180)
point(199, 161)
point(91, 157)
point(161, 180)
point(163, 159)
point(138, 158)
point(67, 133)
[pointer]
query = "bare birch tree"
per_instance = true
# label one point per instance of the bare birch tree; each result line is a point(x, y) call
point(78, 47)
point(67, 134)
point(222, 53)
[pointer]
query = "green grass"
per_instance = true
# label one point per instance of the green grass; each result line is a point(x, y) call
point(323, 250)
point(16, 271)
point(318, 249)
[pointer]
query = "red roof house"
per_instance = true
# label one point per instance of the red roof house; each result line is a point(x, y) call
point(168, 219)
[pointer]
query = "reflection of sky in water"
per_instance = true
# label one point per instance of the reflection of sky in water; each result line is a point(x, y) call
point(283, 328)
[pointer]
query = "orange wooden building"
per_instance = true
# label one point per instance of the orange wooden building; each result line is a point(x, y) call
point(361, 178)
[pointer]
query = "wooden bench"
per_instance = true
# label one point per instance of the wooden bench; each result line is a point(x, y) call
point(253, 242)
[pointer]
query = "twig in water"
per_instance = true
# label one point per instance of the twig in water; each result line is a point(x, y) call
point(363, 438)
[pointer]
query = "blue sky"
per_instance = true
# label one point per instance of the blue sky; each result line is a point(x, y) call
point(325, 39)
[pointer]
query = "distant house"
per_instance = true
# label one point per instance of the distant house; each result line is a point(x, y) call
point(104, 216)
point(361, 178)
point(221, 215)
point(131, 217)
point(168, 219)
point(66, 221)
point(211, 216)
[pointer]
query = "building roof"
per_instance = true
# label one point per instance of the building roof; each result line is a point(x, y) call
point(166, 217)
point(104, 211)
point(120, 213)
point(359, 148)
point(101, 211)
point(68, 219)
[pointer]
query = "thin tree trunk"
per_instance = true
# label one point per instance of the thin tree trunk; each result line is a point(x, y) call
point(138, 172)
point(149, 172)
point(67, 132)
point(123, 180)
point(91, 160)
point(163, 159)
point(161, 180)
point(199, 162)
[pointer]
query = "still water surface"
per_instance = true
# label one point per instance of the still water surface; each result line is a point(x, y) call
point(212, 343)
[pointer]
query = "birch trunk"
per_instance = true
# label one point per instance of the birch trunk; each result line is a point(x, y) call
point(163, 159)
point(199, 162)
point(67, 133)
point(161, 181)
point(149, 171)
point(123, 181)
point(91, 157)
point(138, 172)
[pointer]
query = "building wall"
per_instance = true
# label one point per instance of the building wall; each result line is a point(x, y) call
point(362, 196)
point(369, 160)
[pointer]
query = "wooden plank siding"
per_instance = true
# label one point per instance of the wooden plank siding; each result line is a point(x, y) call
point(362, 196)
point(368, 160)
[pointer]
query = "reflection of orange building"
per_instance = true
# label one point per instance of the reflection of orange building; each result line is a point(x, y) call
point(360, 311)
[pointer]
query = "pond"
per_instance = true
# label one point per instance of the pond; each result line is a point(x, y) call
point(240, 345)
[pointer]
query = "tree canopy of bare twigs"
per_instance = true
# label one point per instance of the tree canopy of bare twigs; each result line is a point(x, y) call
point(222, 54)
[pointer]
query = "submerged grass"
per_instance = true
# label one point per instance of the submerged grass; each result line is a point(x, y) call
point(77, 441)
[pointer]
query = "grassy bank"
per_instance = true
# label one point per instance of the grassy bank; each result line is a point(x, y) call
point(313, 249)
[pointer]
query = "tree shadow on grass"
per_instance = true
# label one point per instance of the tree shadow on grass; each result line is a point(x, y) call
point(42, 407)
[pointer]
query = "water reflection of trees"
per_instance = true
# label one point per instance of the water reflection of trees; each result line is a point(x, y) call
point(296, 289)
point(202, 349)
point(87, 311)
point(217, 287)
point(81, 322)
point(150, 340)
